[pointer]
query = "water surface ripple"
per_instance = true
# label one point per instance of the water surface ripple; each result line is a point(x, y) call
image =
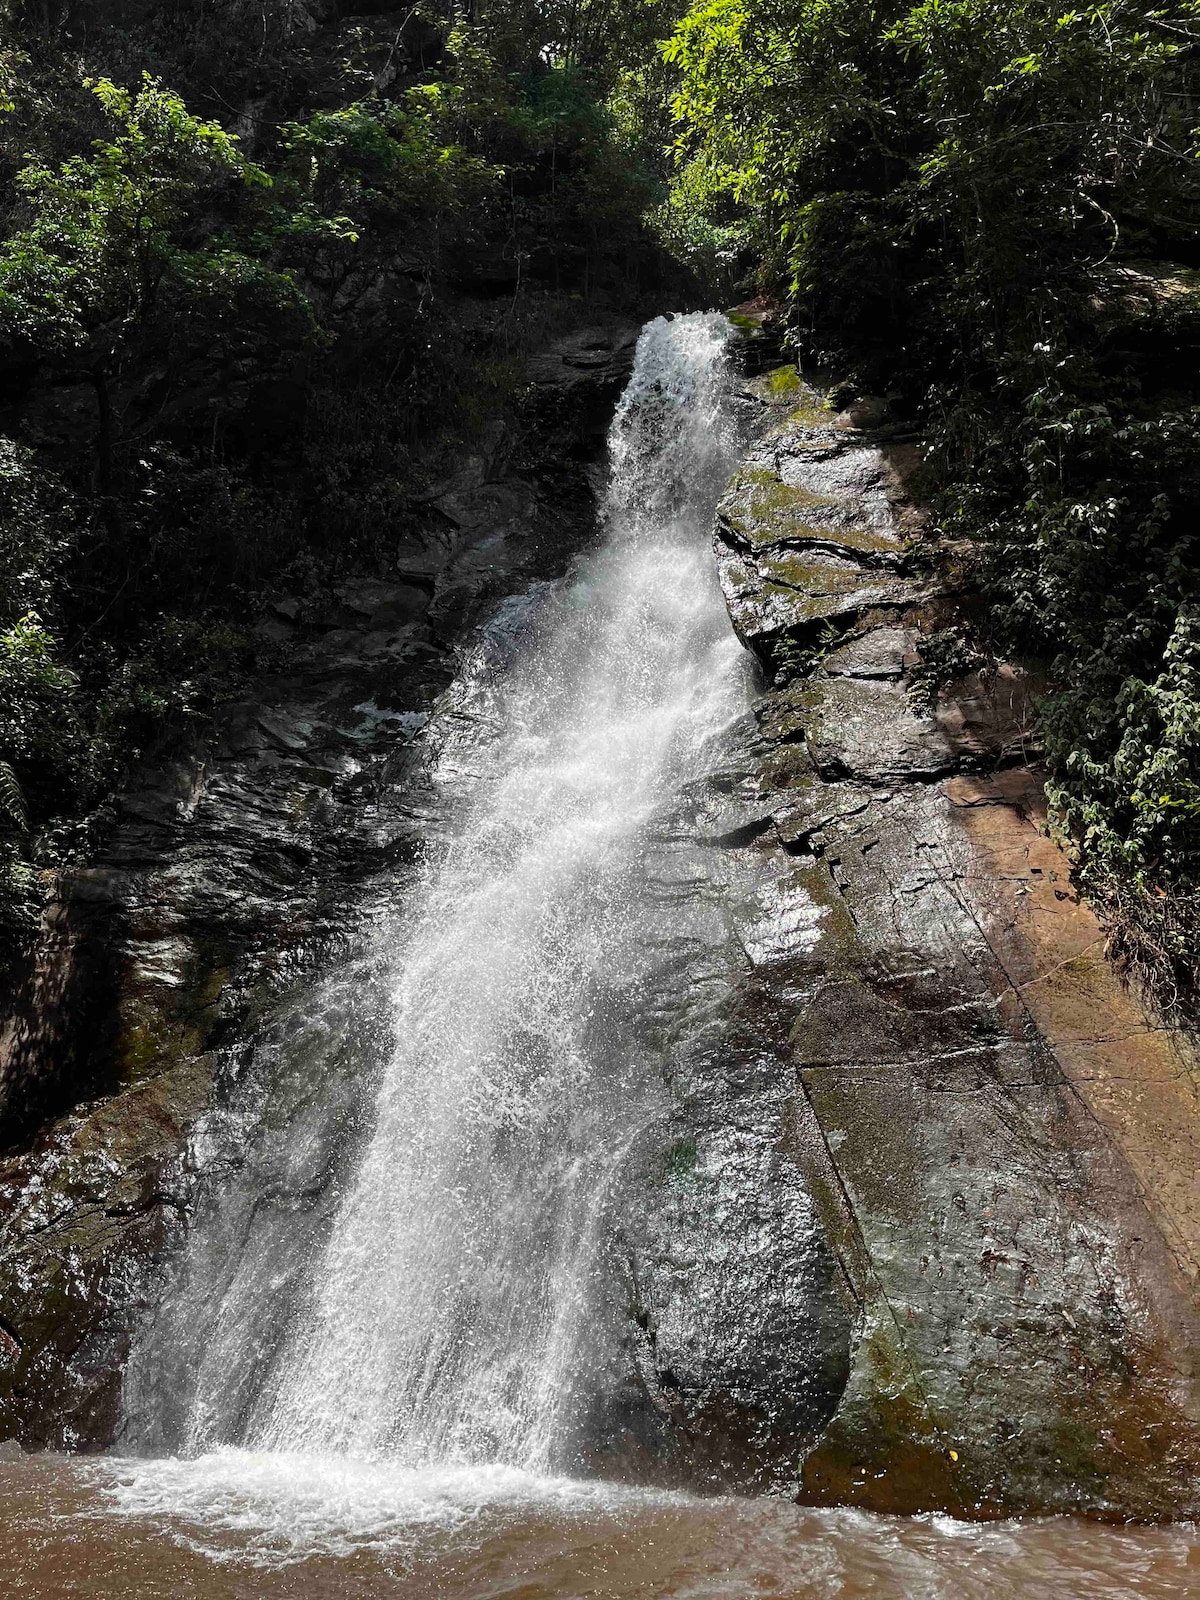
point(240, 1526)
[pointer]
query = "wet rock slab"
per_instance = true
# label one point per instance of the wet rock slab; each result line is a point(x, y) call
point(983, 1152)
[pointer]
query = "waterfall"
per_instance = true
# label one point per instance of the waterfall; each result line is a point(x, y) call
point(449, 1311)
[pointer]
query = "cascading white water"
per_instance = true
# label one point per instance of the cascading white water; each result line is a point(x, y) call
point(448, 1310)
point(448, 1314)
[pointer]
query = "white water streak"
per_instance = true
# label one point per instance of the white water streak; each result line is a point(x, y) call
point(448, 1317)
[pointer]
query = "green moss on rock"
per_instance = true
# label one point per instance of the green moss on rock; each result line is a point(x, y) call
point(761, 508)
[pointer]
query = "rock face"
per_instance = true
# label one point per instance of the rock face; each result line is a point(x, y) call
point(230, 875)
point(914, 1224)
point(927, 1048)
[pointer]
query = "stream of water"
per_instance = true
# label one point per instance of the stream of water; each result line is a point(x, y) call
point(233, 1526)
point(376, 1389)
point(447, 1314)
point(450, 1310)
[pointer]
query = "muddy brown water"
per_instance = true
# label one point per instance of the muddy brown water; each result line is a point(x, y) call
point(240, 1527)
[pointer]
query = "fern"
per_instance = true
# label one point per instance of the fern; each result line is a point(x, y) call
point(12, 801)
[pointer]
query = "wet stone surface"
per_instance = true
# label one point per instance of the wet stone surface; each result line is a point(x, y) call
point(231, 875)
point(947, 1048)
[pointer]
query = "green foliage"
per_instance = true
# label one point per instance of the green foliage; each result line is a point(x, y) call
point(596, 40)
point(238, 361)
point(374, 161)
point(38, 745)
point(179, 666)
point(36, 691)
point(1085, 502)
point(13, 810)
point(576, 184)
point(36, 534)
point(948, 162)
point(106, 243)
point(1133, 797)
point(945, 655)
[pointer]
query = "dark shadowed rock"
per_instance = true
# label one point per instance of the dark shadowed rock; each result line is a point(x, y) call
point(230, 876)
point(878, 653)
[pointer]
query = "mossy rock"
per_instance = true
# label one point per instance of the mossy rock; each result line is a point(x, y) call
point(746, 326)
point(814, 574)
point(166, 1016)
point(780, 386)
point(762, 509)
point(677, 1163)
point(883, 1449)
point(151, 1039)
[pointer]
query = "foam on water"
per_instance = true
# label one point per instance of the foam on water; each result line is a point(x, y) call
point(307, 1526)
point(272, 1507)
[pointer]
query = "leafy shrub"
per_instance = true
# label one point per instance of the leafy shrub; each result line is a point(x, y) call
point(39, 745)
point(114, 239)
point(37, 533)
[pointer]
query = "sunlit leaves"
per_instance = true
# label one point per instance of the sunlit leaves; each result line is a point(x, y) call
point(943, 191)
point(104, 230)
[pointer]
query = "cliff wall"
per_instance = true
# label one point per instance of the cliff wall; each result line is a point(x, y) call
point(1001, 1138)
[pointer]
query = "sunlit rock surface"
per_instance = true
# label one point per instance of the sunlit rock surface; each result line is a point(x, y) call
point(1001, 1143)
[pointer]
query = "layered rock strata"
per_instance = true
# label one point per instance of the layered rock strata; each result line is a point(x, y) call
point(231, 874)
point(1000, 1141)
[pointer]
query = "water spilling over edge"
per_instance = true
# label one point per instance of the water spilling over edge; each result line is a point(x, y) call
point(446, 1314)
